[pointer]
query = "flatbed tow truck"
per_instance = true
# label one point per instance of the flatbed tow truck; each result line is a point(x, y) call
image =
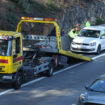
point(22, 56)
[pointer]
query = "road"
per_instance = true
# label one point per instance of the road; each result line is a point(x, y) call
point(61, 89)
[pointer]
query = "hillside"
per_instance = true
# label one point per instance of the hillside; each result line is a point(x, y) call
point(68, 12)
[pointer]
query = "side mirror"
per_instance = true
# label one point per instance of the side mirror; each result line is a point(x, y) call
point(102, 36)
point(14, 56)
point(86, 87)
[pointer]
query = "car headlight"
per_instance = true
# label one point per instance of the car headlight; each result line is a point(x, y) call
point(83, 97)
point(93, 44)
point(73, 42)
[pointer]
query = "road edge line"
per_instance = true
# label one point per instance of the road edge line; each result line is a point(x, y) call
point(41, 78)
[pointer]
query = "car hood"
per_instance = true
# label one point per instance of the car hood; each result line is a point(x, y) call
point(96, 97)
point(85, 40)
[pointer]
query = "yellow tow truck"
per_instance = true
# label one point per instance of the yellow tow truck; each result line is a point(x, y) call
point(22, 55)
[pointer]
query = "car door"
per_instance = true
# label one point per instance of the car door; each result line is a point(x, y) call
point(102, 39)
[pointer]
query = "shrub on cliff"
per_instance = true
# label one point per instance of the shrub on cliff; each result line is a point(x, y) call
point(99, 21)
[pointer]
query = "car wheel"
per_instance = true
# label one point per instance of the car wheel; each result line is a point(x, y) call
point(99, 49)
point(18, 81)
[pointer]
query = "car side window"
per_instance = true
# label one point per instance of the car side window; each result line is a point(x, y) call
point(103, 35)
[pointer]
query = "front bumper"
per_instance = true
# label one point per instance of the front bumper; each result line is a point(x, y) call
point(83, 49)
point(7, 78)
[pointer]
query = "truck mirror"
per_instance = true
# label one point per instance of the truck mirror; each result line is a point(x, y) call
point(86, 87)
point(14, 56)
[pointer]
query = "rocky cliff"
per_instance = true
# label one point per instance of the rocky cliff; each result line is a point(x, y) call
point(68, 12)
point(80, 10)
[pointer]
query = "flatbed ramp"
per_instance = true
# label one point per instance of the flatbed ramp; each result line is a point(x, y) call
point(50, 43)
point(74, 55)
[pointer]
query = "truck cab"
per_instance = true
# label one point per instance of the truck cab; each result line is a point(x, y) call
point(10, 55)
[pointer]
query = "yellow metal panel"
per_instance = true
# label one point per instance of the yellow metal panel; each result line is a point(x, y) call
point(70, 54)
point(11, 33)
point(38, 21)
point(6, 67)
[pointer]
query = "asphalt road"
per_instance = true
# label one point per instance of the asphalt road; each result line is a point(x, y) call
point(61, 89)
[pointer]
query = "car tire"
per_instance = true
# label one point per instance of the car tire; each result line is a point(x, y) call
point(99, 49)
point(18, 81)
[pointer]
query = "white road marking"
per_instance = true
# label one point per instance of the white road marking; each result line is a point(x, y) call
point(41, 78)
point(70, 67)
point(98, 56)
point(6, 91)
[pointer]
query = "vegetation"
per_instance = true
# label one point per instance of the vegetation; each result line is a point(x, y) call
point(99, 21)
point(52, 6)
point(12, 21)
point(24, 4)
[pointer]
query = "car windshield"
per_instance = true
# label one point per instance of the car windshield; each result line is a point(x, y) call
point(98, 85)
point(4, 48)
point(89, 33)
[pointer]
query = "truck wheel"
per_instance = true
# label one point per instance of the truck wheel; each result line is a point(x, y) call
point(49, 72)
point(18, 81)
point(99, 49)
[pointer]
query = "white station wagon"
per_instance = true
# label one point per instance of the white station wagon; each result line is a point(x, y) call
point(90, 40)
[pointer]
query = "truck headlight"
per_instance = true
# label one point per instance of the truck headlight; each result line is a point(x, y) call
point(83, 97)
point(93, 44)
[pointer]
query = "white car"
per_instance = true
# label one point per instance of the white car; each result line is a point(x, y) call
point(89, 40)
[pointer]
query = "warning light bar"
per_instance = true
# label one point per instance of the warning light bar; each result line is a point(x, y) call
point(41, 19)
point(4, 37)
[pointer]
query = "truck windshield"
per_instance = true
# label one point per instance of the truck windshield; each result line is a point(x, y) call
point(5, 48)
point(89, 33)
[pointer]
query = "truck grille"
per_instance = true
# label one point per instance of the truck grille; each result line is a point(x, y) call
point(81, 44)
point(82, 49)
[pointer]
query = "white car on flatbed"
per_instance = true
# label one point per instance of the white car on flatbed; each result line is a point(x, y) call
point(90, 40)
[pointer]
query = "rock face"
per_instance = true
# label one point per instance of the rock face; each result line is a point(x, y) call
point(80, 11)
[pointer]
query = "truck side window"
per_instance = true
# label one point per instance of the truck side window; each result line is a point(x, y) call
point(16, 46)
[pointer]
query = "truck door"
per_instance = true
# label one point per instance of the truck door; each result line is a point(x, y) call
point(17, 56)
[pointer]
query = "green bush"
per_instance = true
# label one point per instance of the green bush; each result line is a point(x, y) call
point(24, 4)
point(11, 18)
point(40, 7)
point(16, 1)
point(52, 6)
point(11, 7)
point(99, 21)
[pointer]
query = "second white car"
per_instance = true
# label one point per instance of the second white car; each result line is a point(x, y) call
point(90, 40)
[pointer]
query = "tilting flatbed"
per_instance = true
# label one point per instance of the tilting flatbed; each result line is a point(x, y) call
point(55, 44)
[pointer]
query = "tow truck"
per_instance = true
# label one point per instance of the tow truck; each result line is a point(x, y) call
point(22, 56)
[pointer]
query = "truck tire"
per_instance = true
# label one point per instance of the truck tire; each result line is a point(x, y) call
point(99, 49)
point(18, 81)
point(49, 72)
